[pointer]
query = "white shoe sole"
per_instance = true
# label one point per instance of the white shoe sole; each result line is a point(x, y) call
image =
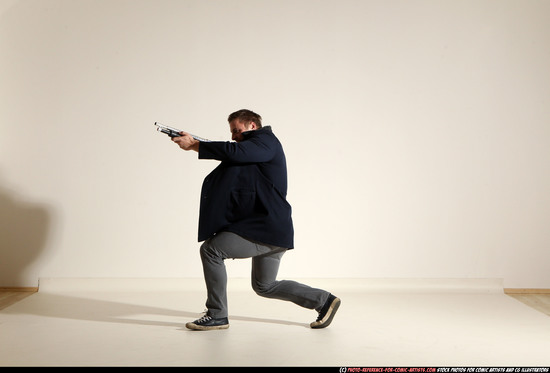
point(194, 326)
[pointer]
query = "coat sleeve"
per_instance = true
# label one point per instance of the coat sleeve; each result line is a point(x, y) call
point(254, 150)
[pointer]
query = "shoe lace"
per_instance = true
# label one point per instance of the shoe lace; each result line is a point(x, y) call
point(204, 317)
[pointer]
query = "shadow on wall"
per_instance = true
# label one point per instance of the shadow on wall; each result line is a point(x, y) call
point(24, 231)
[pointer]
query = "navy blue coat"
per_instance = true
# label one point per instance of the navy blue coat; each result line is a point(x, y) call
point(246, 193)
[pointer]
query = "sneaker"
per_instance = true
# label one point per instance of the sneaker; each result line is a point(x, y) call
point(208, 323)
point(327, 313)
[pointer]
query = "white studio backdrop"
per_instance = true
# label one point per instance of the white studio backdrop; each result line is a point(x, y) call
point(416, 133)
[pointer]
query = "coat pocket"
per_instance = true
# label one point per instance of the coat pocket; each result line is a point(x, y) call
point(241, 204)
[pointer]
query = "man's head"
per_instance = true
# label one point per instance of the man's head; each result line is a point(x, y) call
point(242, 121)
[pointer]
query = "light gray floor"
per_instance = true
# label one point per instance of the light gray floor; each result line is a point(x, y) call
point(83, 327)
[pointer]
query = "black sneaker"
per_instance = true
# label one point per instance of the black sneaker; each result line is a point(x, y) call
point(327, 313)
point(208, 323)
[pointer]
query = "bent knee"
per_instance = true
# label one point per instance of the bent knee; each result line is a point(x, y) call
point(262, 289)
point(208, 251)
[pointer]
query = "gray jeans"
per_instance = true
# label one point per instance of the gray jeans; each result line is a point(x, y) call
point(265, 265)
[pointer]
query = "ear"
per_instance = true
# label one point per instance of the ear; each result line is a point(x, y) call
point(252, 126)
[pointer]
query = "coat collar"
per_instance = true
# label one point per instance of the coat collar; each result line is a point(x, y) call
point(249, 134)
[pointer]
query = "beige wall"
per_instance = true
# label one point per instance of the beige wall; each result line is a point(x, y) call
point(416, 133)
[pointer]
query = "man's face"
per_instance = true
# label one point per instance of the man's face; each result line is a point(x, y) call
point(237, 127)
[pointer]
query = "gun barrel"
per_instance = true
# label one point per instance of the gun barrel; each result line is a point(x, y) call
point(174, 132)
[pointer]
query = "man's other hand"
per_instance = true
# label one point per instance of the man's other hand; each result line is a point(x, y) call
point(186, 142)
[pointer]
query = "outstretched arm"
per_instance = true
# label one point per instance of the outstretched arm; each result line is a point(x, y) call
point(249, 151)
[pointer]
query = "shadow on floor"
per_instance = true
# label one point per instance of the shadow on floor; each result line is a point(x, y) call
point(81, 308)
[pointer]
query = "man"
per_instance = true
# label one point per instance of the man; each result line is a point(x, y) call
point(244, 214)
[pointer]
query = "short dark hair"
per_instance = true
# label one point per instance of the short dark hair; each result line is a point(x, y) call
point(246, 116)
